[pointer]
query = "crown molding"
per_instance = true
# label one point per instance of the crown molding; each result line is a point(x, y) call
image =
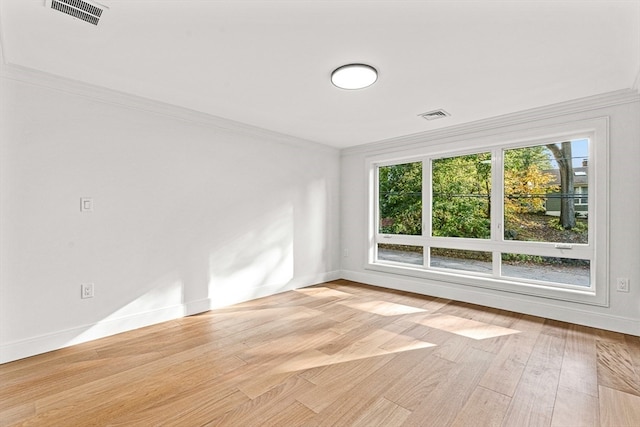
point(591, 103)
point(110, 96)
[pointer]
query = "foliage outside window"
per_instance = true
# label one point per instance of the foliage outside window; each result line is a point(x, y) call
point(400, 200)
point(461, 192)
point(539, 203)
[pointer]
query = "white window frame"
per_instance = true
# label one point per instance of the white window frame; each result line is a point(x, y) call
point(596, 250)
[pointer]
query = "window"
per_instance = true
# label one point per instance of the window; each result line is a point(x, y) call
point(514, 216)
point(540, 193)
point(461, 196)
point(400, 199)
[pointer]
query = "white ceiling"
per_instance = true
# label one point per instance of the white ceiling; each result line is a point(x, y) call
point(267, 63)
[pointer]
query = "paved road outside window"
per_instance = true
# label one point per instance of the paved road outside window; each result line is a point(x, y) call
point(546, 272)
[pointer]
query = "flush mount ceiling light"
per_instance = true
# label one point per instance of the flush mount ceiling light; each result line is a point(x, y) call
point(354, 76)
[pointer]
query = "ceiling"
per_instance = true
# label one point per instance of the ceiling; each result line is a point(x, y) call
point(267, 63)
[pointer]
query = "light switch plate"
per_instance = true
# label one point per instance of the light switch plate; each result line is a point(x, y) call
point(86, 204)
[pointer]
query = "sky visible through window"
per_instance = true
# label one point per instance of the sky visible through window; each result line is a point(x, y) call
point(579, 152)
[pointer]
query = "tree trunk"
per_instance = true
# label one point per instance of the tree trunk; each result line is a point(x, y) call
point(564, 156)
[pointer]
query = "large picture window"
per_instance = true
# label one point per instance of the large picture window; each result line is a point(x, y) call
point(517, 217)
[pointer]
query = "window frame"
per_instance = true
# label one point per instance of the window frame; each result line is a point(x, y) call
point(596, 250)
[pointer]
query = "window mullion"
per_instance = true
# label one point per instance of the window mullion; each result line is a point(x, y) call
point(497, 206)
point(497, 196)
point(426, 210)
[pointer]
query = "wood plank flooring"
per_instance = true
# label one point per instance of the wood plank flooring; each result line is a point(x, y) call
point(336, 354)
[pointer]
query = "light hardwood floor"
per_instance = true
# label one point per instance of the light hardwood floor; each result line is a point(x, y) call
point(336, 354)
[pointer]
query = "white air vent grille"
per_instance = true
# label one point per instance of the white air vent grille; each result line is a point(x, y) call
point(435, 114)
point(78, 9)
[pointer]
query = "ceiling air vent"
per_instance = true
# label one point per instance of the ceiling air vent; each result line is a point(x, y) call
point(435, 114)
point(80, 9)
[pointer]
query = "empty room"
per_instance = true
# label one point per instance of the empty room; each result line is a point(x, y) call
point(319, 213)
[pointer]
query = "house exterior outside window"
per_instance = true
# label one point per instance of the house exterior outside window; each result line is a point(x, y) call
point(580, 191)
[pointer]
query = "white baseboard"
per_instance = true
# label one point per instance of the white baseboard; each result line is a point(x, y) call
point(44, 343)
point(503, 301)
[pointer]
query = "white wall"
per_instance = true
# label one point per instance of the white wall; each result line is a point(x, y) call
point(623, 112)
point(189, 213)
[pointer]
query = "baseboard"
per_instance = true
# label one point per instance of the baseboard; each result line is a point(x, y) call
point(503, 301)
point(42, 344)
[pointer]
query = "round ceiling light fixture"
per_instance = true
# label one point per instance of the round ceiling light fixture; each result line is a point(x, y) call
point(354, 76)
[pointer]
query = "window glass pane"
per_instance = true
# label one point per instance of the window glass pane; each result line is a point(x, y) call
point(456, 259)
point(401, 253)
point(400, 199)
point(546, 269)
point(546, 192)
point(461, 191)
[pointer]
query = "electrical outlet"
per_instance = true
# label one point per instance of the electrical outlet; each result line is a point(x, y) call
point(86, 290)
point(86, 204)
point(622, 284)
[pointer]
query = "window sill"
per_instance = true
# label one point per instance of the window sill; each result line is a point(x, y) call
point(575, 294)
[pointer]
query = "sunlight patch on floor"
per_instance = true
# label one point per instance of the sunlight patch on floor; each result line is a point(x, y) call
point(322, 292)
point(465, 327)
point(315, 359)
point(268, 313)
point(383, 308)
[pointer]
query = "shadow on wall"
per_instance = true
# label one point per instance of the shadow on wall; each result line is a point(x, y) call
point(243, 263)
point(161, 300)
point(253, 261)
